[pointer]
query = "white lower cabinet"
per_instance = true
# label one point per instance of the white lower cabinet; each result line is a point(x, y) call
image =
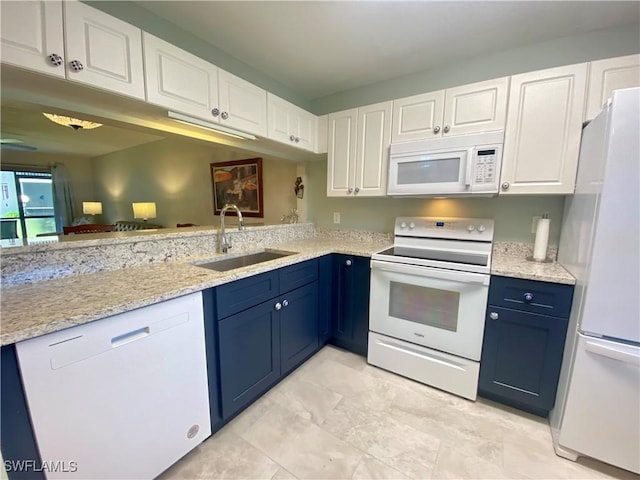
point(358, 151)
point(543, 130)
point(608, 75)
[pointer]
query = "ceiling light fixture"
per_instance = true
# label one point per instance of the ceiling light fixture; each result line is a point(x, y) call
point(74, 123)
point(196, 122)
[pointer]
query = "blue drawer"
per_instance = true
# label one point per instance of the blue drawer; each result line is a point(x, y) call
point(242, 294)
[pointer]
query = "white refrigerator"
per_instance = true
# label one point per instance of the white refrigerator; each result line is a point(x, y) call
point(597, 410)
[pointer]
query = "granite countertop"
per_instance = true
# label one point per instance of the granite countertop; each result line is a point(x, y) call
point(44, 307)
point(39, 308)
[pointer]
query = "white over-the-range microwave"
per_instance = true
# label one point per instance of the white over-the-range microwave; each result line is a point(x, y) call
point(459, 165)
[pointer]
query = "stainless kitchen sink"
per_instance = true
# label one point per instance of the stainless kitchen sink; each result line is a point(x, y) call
point(244, 260)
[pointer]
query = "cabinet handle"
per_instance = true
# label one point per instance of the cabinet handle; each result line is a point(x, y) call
point(436, 129)
point(224, 115)
point(215, 112)
point(528, 297)
point(292, 138)
point(277, 306)
point(55, 59)
point(357, 189)
point(505, 186)
point(285, 303)
point(76, 66)
point(493, 315)
point(446, 129)
point(348, 263)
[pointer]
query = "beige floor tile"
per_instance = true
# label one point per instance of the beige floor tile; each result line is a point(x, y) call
point(306, 399)
point(223, 456)
point(370, 468)
point(250, 415)
point(395, 444)
point(283, 474)
point(301, 447)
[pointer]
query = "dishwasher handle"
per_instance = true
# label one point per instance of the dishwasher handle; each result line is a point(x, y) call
point(129, 337)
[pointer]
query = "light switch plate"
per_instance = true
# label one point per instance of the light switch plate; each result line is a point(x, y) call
point(336, 217)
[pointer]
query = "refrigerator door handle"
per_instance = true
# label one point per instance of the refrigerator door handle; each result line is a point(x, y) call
point(613, 353)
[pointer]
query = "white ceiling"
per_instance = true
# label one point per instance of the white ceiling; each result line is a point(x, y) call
point(320, 48)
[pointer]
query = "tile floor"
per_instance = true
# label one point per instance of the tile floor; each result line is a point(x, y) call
point(336, 417)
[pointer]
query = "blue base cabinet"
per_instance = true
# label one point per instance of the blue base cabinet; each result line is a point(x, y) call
point(351, 280)
point(298, 326)
point(522, 348)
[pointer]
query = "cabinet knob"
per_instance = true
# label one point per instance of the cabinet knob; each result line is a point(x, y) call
point(348, 263)
point(215, 112)
point(285, 303)
point(447, 128)
point(292, 138)
point(55, 59)
point(528, 297)
point(76, 66)
point(224, 115)
point(436, 129)
point(505, 185)
point(277, 306)
point(297, 140)
point(493, 315)
point(357, 189)
point(350, 190)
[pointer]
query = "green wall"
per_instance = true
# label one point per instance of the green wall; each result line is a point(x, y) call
point(512, 214)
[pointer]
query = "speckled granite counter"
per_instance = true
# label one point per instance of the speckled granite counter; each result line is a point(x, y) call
point(510, 260)
point(36, 309)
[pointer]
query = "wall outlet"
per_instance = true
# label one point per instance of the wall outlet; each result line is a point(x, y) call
point(534, 223)
point(336, 217)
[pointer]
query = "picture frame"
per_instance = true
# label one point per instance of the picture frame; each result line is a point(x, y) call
point(238, 182)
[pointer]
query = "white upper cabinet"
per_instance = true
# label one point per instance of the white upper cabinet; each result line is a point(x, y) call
point(242, 104)
point(608, 75)
point(31, 36)
point(358, 151)
point(544, 126)
point(290, 124)
point(474, 108)
point(177, 80)
point(103, 51)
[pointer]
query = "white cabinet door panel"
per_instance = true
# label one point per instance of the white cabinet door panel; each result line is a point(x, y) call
point(303, 126)
point(290, 124)
point(278, 118)
point(177, 80)
point(245, 104)
point(417, 117)
point(341, 147)
point(109, 49)
point(372, 156)
point(544, 126)
point(608, 75)
point(480, 107)
point(30, 32)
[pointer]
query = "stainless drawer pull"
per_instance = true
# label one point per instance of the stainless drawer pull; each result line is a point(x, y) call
point(528, 297)
point(494, 316)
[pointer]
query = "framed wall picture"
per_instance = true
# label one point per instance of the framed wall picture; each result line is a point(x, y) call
point(238, 182)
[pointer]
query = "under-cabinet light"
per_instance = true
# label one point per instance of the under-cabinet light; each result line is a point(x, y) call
point(196, 122)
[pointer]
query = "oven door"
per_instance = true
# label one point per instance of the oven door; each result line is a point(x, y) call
point(434, 173)
point(436, 308)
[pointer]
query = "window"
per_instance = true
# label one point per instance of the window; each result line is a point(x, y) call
point(27, 204)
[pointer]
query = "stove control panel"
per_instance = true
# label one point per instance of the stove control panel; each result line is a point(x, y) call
point(445, 227)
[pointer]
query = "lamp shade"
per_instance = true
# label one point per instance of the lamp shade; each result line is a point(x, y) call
point(92, 208)
point(144, 210)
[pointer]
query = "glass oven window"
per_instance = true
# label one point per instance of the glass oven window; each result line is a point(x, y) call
point(423, 305)
point(442, 170)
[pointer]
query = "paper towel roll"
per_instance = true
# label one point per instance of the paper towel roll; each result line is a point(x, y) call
point(542, 239)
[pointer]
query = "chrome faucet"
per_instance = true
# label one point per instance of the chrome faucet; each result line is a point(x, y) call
point(225, 242)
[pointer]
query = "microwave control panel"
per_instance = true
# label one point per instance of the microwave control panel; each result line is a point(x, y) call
point(485, 165)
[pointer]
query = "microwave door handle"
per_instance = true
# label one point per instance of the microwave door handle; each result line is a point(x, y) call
point(467, 178)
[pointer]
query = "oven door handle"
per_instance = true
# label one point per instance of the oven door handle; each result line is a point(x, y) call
point(419, 271)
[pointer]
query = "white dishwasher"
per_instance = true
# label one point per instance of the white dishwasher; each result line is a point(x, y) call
point(122, 397)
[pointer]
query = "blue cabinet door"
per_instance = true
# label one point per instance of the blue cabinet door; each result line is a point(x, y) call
point(521, 358)
point(325, 292)
point(298, 326)
point(249, 349)
point(351, 280)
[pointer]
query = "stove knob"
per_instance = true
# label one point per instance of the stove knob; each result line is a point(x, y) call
point(471, 228)
point(403, 225)
point(481, 228)
point(412, 225)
